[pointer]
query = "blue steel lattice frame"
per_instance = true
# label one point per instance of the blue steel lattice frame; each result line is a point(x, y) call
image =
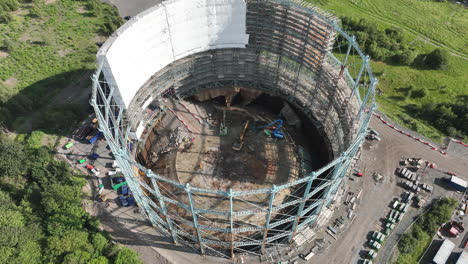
point(115, 126)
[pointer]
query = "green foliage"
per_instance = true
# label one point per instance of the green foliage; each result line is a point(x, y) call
point(383, 45)
point(436, 60)
point(5, 17)
point(60, 118)
point(41, 219)
point(405, 57)
point(420, 93)
point(450, 117)
point(99, 260)
point(407, 243)
point(127, 256)
point(50, 47)
point(34, 140)
point(8, 5)
point(11, 160)
point(77, 257)
point(421, 22)
point(112, 21)
point(100, 243)
point(413, 244)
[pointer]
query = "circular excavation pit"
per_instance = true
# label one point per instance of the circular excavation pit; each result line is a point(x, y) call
point(215, 147)
point(167, 78)
point(208, 159)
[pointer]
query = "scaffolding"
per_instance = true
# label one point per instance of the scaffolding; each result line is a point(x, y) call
point(294, 51)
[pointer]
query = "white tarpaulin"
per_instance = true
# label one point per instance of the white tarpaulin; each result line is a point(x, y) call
point(165, 33)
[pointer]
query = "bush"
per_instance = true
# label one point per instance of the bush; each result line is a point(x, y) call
point(383, 45)
point(5, 17)
point(405, 57)
point(8, 5)
point(435, 60)
point(413, 244)
point(407, 243)
point(419, 93)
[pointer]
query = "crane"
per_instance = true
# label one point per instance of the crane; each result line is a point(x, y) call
point(276, 133)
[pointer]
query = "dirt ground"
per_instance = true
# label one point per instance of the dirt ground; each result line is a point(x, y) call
point(382, 157)
point(210, 161)
point(192, 152)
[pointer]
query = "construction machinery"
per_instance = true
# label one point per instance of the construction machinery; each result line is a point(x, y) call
point(223, 130)
point(276, 133)
point(103, 197)
point(238, 145)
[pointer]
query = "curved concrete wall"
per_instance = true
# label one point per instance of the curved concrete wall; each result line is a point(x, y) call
point(165, 33)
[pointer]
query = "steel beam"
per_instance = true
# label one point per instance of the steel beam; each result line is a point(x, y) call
point(195, 218)
point(268, 218)
point(301, 206)
point(162, 204)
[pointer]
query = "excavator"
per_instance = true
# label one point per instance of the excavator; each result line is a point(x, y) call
point(238, 145)
point(276, 133)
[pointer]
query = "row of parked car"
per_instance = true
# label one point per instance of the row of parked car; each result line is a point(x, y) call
point(413, 181)
point(398, 208)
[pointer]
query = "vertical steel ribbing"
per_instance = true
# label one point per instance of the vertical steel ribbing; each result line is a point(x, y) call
point(350, 45)
point(116, 148)
point(231, 222)
point(301, 206)
point(373, 83)
point(358, 78)
point(335, 174)
point(195, 218)
point(268, 217)
point(162, 204)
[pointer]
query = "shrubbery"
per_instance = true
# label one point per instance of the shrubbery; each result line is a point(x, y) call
point(384, 45)
point(42, 220)
point(413, 243)
point(435, 60)
point(389, 45)
point(450, 118)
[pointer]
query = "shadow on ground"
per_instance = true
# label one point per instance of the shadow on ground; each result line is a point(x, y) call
point(54, 105)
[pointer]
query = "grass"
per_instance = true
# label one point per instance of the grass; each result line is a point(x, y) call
point(444, 23)
point(441, 85)
point(48, 50)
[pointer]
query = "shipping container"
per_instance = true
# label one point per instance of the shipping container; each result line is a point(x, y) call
point(458, 183)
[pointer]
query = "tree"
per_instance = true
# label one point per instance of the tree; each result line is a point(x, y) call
point(70, 242)
point(99, 260)
point(407, 243)
point(99, 243)
point(127, 256)
point(77, 257)
point(11, 159)
point(437, 59)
